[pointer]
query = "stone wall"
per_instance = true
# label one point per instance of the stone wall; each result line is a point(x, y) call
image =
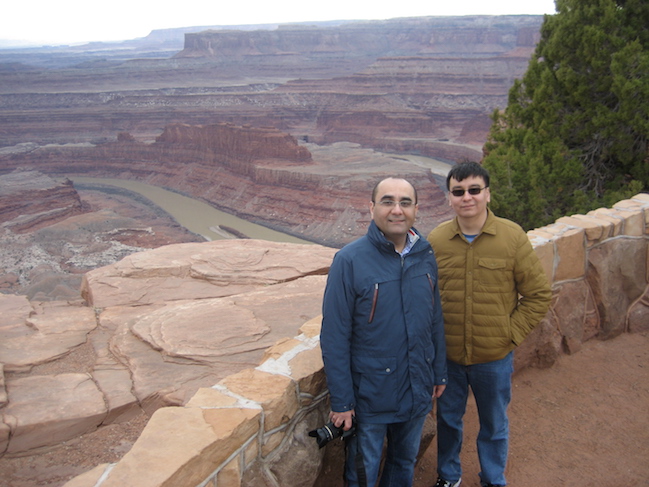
point(251, 428)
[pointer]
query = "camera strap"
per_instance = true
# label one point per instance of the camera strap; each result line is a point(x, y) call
point(358, 462)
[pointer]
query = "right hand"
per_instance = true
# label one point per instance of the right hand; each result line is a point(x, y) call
point(342, 418)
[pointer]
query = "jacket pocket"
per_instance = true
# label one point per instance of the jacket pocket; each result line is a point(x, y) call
point(492, 272)
point(375, 381)
point(429, 354)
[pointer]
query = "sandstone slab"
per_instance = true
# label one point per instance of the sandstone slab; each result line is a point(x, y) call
point(3, 390)
point(638, 315)
point(542, 347)
point(276, 395)
point(44, 335)
point(14, 311)
point(202, 270)
point(152, 352)
point(46, 410)
point(5, 432)
point(173, 348)
point(570, 255)
point(90, 478)
point(115, 384)
point(573, 305)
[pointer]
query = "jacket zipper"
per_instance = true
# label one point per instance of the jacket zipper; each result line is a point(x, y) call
point(374, 300)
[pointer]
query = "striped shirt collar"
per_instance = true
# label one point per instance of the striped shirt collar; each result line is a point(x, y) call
point(411, 239)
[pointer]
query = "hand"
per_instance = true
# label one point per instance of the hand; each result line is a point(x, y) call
point(438, 390)
point(344, 418)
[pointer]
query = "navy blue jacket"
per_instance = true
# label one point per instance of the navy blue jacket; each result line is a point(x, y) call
point(382, 331)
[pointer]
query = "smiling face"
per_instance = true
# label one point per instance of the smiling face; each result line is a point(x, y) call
point(469, 207)
point(393, 219)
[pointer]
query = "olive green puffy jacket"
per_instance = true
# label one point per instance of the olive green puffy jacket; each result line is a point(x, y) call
point(494, 290)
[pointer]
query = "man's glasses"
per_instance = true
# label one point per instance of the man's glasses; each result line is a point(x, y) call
point(404, 204)
point(471, 191)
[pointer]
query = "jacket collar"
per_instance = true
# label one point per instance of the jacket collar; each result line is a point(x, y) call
point(376, 236)
point(488, 227)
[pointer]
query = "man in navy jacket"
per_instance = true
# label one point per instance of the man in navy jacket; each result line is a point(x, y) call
point(382, 337)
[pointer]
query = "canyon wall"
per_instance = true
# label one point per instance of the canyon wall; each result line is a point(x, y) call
point(420, 87)
point(29, 200)
point(260, 174)
point(280, 127)
point(424, 79)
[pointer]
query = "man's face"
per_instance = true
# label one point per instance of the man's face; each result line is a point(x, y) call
point(469, 205)
point(393, 219)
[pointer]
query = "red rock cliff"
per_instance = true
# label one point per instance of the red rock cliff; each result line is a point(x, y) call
point(401, 83)
point(322, 197)
point(30, 200)
point(227, 141)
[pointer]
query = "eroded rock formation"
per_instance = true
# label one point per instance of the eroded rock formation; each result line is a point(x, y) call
point(157, 326)
point(229, 142)
point(431, 78)
point(320, 193)
point(50, 234)
point(30, 200)
point(420, 87)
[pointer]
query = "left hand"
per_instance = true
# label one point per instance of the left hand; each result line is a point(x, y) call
point(438, 390)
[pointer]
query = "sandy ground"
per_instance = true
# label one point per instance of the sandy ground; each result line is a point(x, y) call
point(582, 423)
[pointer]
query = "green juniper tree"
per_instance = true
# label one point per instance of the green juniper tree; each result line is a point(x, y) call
point(574, 135)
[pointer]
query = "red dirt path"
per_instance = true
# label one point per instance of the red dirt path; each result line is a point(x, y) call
point(582, 423)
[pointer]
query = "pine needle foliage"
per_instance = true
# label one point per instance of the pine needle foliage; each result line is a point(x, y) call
point(574, 134)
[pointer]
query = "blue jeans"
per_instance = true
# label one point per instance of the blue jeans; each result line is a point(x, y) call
point(403, 446)
point(491, 385)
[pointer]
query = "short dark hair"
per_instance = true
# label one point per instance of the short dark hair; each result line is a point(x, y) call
point(466, 169)
point(376, 188)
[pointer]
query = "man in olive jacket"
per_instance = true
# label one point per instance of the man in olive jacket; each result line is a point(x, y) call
point(494, 292)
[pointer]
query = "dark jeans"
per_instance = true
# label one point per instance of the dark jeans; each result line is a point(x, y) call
point(492, 388)
point(402, 449)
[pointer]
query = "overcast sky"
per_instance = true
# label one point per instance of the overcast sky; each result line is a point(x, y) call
point(77, 21)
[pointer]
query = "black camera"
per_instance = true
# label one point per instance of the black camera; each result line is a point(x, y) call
point(329, 432)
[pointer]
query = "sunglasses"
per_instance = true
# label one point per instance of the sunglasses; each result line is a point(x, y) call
point(472, 191)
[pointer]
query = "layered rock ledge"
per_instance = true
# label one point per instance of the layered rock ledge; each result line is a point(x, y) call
point(264, 175)
point(234, 300)
point(424, 84)
point(30, 200)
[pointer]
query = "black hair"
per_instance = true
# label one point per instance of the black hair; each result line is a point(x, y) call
point(466, 169)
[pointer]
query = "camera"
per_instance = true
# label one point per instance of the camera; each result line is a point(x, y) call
point(329, 432)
